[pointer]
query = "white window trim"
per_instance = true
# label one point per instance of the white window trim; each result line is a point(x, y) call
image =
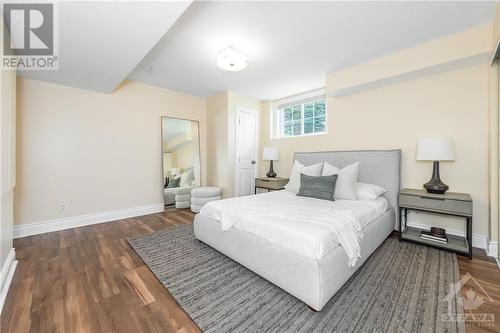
point(276, 122)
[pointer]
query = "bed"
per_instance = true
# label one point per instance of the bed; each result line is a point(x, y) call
point(310, 269)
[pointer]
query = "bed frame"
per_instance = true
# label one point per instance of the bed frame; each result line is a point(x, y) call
point(313, 281)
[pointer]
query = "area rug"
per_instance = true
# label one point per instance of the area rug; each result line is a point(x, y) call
point(400, 288)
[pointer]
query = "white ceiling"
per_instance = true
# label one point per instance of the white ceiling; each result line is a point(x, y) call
point(293, 45)
point(100, 43)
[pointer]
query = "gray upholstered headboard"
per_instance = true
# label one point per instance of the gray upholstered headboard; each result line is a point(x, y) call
point(381, 167)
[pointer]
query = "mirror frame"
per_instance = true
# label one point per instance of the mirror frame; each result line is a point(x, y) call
point(161, 149)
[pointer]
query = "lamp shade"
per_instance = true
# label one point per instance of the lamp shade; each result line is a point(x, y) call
point(271, 154)
point(436, 149)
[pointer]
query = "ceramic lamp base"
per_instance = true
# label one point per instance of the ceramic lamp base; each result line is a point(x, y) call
point(435, 185)
point(271, 173)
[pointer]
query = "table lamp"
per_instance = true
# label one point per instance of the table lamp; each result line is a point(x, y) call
point(175, 172)
point(271, 154)
point(436, 149)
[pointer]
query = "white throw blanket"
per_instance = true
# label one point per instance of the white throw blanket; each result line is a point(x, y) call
point(300, 216)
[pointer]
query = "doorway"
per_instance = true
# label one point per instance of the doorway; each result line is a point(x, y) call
point(247, 143)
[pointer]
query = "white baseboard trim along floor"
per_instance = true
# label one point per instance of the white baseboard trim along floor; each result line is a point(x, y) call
point(6, 275)
point(24, 230)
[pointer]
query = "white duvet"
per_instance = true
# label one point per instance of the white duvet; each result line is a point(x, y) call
point(308, 226)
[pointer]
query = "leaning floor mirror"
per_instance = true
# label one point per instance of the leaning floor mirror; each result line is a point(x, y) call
point(181, 160)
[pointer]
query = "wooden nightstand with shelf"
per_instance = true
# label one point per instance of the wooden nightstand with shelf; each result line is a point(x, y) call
point(450, 203)
point(270, 184)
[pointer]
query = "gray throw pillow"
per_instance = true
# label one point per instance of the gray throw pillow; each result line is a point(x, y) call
point(321, 187)
point(173, 182)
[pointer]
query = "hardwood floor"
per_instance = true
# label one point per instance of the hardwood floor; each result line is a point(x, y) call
point(486, 284)
point(88, 279)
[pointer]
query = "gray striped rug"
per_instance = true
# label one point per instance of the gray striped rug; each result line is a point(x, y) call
point(400, 288)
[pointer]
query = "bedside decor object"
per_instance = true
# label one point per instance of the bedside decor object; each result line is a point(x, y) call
point(271, 154)
point(439, 232)
point(452, 204)
point(436, 149)
point(428, 235)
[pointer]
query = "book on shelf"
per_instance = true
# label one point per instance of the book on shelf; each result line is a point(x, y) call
point(434, 240)
point(429, 236)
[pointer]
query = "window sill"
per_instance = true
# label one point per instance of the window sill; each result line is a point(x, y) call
point(300, 136)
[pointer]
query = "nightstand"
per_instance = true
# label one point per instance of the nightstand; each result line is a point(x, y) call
point(271, 184)
point(454, 204)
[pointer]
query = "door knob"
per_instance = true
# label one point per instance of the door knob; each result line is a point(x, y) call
point(253, 162)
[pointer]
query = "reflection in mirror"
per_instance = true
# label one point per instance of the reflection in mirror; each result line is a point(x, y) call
point(181, 160)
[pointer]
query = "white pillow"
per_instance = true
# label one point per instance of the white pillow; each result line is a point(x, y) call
point(345, 188)
point(187, 178)
point(298, 168)
point(369, 191)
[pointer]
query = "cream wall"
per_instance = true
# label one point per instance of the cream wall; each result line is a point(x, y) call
point(221, 148)
point(7, 163)
point(217, 141)
point(7, 159)
point(494, 246)
point(451, 104)
point(96, 152)
point(493, 151)
point(441, 54)
point(7, 174)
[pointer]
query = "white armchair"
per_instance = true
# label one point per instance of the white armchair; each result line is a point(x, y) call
point(181, 195)
point(178, 196)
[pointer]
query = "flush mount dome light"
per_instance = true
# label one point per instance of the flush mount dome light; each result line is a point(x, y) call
point(231, 59)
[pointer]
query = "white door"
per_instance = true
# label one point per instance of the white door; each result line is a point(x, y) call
point(246, 151)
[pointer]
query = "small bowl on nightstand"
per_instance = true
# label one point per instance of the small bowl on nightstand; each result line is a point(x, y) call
point(438, 231)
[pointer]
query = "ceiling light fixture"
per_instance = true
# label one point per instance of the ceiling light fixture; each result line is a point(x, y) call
point(231, 59)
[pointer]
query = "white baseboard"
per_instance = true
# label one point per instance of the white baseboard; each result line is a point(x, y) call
point(6, 275)
point(24, 230)
point(479, 241)
point(493, 249)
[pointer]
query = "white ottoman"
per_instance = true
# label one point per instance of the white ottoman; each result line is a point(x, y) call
point(183, 197)
point(201, 195)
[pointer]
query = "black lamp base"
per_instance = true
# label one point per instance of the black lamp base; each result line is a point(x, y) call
point(271, 173)
point(435, 185)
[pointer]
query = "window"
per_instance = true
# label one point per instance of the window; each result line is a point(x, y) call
point(306, 118)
